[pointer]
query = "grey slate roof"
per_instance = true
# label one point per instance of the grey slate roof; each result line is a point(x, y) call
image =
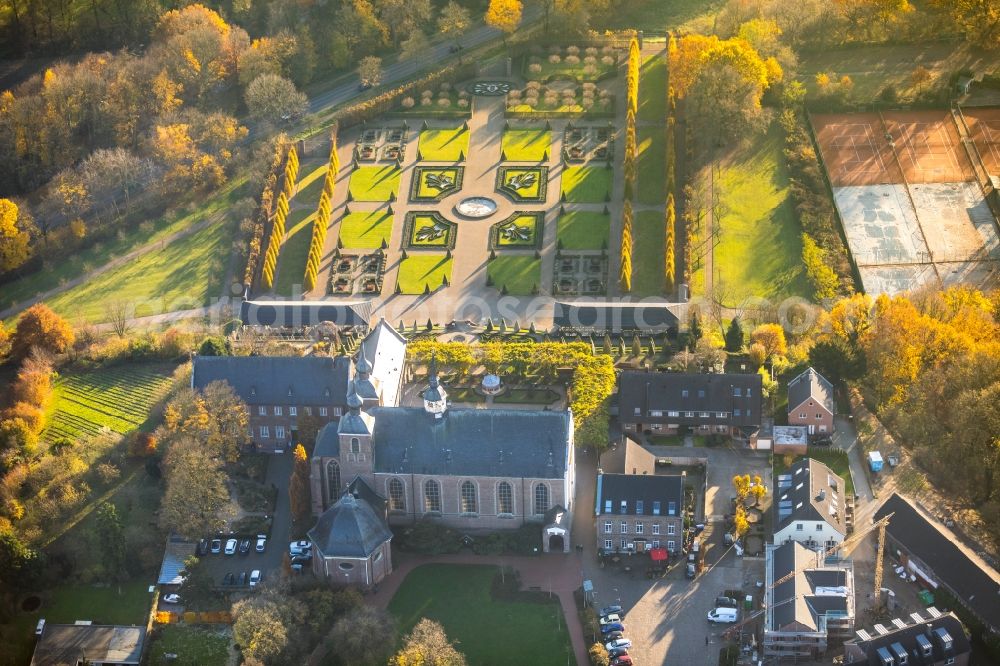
point(327, 442)
point(266, 380)
point(664, 392)
point(795, 601)
point(972, 581)
point(349, 528)
point(472, 442)
point(63, 644)
point(810, 384)
point(296, 314)
point(912, 638)
point(176, 551)
point(634, 488)
point(615, 317)
point(812, 492)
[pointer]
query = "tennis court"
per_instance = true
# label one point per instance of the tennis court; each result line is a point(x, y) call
point(929, 146)
point(984, 129)
point(854, 149)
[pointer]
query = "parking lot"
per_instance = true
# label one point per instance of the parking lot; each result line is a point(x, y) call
point(666, 618)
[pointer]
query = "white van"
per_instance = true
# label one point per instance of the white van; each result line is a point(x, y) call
point(722, 615)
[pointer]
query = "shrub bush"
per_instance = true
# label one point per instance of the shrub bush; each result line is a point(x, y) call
point(591, 51)
point(535, 68)
point(573, 50)
point(572, 60)
point(555, 59)
point(408, 103)
point(607, 60)
point(426, 101)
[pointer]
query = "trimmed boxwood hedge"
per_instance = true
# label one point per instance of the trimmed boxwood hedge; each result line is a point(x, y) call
point(418, 174)
point(408, 230)
point(516, 195)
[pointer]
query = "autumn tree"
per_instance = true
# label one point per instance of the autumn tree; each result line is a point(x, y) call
point(261, 628)
point(504, 15)
point(20, 565)
point(352, 634)
point(298, 486)
point(669, 257)
point(823, 278)
point(978, 19)
point(215, 417)
point(196, 496)
point(370, 70)
point(40, 328)
point(772, 338)
point(453, 21)
point(427, 645)
point(920, 76)
point(273, 98)
point(868, 19)
point(15, 237)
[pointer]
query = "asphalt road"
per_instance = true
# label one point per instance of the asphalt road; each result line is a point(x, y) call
point(402, 70)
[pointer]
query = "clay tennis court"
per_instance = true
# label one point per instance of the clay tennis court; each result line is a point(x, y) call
point(984, 128)
point(854, 149)
point(929, 147)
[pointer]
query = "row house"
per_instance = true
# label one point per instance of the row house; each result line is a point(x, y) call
point(638, 512)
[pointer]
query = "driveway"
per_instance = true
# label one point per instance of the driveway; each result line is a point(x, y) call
point(666, 617)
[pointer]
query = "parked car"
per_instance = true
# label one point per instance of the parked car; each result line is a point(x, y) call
point(726, 602)
point(297, 567)
point(40, 627)
point(613, 635)
point(722, 615)
point(242, 580)
point(216, 546)
point(229, 579)
point(244, 545)
point(613, 617)
point(261, 542)
point(299, 547)
point(302, 560)
point(618, 643)
point(255, 577)
point(822, 440)
point(231, 547)
point(613, 626)
point(609, 610)
point(623, 660)
point(617, 652)
point(172, 599)
point(691, 570)
point(202, 548)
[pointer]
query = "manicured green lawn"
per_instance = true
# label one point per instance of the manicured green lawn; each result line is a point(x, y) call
point(294, 252)
point(420, 270)
point(118, 397)
point(312, 173)
point(181, 276)
point(528, 227)
point(583, 230)
point(488, 632)
point(103, 605)
point(365, 231)
point(375, 183)
point(759, 247)
point(433, 184)
point(527, 396)
point(444, 145)
point(520, 274)
point(98, 255)
point(652, 165)
point(648, 262)
point(194, 646)
point(653, 89)
point(835, 459)
point(586, 184)
point(424, 230)
point(563, 69)
point(526, 145)
point(524, 184)
point(661, 15)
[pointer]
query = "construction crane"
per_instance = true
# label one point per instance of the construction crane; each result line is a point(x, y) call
point(846, 546)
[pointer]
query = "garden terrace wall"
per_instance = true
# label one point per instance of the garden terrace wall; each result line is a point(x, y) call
point(555, 115)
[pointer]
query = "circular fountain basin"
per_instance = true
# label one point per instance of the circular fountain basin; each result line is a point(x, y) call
point(476, 207)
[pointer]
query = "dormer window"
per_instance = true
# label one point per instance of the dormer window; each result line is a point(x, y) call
point(701, 393)
point(289, 391)
point(624, 508)
point(656, 508)
point(639, 506)
point(685, 393)
point(737, 393)
point(326, 392)
point(607, 506)
point(253, 391)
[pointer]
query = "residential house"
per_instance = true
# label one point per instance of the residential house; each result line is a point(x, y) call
point(810, 505)
point(472, 469)
point(929, 639)
point(808, 602)
point(792, 440)
point(95, 644)
point(811, 403)
point(636, 513)
point(281, 391)
point(938, 559)
point(664, 403)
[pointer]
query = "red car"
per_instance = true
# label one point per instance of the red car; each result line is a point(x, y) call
point(623, 660)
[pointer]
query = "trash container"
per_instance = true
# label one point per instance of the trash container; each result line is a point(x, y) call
point(748, 602)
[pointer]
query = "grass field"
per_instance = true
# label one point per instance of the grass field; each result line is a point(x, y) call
point(661, 15)
point(444, 145)
point(586, 184)
point(312, 173)
point(529, 224)
point(532, 181)
point(563, 69)
point(758, 251)
point(118, 398)
point(653, 89)
point(835, 459)
point(648, 263)
point(373, 183)
point(583, 230)
point(652, 165)
point(194, 646)
point(520, 274)
point(365, 231)
point(103, 605)
point(423, 270)
point(487, 631)
point(100, 254)
point(180, 276)
point(294, 252)
point(526, 145)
